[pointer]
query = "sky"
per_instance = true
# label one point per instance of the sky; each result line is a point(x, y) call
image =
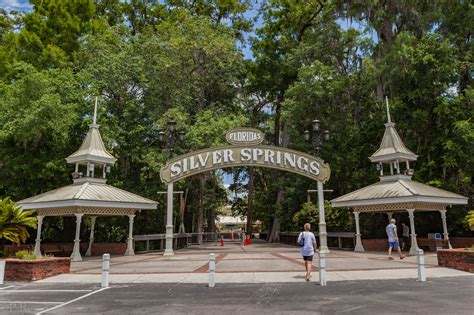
point(18, 5)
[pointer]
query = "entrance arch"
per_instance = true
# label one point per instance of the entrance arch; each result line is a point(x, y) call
point(245, 149)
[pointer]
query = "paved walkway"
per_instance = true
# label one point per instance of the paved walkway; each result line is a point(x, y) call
point(260, 262)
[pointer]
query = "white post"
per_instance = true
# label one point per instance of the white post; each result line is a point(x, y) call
point(414, 245)
point(105, 270)
point(76, 254)
point(322, 269)
point(420, 259)
point(390, 216)
point(38, 236)
point(323, 248)
point(130, 251)
point(445, 227)
point(169, 222)
point(358, 246)
point(91, 237)
point(212, 270)
point(2, 270)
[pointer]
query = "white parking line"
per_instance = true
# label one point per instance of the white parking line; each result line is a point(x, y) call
point(37, 290)
point(29, 302)
point(71, 301)
point(10, 286)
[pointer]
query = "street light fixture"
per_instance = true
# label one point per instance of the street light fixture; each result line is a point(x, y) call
point(170, 135)
point(316, 136)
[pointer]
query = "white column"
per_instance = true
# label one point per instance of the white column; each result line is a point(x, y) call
point(390, 215)
point(130, 251)
point(445, 227)
point(38, 236)
point(414, 245)
point(169, 222)
point(91, 237)
point(322, 221)
point(358, 246)
point(76, 254)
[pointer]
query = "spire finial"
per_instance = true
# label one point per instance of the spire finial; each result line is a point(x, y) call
point(389, 119)
point(94, 120)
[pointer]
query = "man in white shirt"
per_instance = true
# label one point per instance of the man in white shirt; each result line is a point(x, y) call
point(391, 230)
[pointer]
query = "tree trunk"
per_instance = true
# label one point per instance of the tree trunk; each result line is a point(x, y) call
point(250, 200)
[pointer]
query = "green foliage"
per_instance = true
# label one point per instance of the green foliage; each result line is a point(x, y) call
point(150, 61)
point(25, 254)
point(14, 221)
point(470, 219)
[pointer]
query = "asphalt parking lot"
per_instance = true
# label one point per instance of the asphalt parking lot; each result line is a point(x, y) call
point(436, 296)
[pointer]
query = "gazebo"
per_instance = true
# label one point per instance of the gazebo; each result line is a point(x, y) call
point(89, 195)
point(396, 191)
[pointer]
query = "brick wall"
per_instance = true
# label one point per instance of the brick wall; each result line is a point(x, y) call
point(461, 242)
point(31, 270)
point(99, 249)
point(375, 245)
point(456, 259)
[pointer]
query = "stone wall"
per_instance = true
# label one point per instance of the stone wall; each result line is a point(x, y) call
point(457, 259)
point(31, 270)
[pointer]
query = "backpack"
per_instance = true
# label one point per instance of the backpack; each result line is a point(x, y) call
point(301, 242)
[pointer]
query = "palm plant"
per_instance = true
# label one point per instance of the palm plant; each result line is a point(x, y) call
point(470, 219)
point(14, 222)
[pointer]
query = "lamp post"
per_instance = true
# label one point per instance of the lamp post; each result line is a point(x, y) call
point(170, 135)
point(317, 137)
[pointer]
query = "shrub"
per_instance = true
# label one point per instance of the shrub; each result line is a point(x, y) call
point(25, 254)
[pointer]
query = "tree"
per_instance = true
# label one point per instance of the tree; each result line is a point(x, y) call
point(14, 222)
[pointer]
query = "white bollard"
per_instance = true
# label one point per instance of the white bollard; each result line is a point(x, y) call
point(420, 258)
point(322, 269)
point(2, 271)
point(212, 270)
point(105, 270)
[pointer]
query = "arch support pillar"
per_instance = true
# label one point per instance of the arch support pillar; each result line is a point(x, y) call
point(358, 246)
point(323, 247)
point(169, 222)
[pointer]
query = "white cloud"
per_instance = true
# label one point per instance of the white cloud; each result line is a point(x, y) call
point(17, 5)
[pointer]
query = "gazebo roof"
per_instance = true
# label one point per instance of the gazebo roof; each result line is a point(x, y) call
point(88, 194)
point(397, 189)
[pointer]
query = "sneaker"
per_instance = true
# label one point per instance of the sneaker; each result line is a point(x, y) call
point(390, 258)
point(402, 257)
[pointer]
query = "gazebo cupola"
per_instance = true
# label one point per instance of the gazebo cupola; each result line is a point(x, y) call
point(90, 155)
point(393, 153)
